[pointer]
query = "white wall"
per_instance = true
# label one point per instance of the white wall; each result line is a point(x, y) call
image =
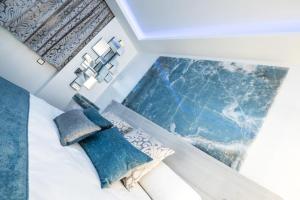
point(276, 49)
point(127, 80)
point(58, 91)
point(18, 64)
point(273, 159)
point(113, 5)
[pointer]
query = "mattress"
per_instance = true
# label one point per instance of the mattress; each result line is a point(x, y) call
point(63, 173)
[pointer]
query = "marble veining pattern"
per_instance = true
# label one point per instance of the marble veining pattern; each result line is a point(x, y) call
point(219, 107)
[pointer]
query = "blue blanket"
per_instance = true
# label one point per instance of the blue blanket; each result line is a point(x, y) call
point(14, 110)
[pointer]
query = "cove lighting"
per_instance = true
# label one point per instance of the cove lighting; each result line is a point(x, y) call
point(220, 31)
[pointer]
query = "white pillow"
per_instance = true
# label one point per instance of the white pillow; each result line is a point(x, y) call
point(120, 124)
point(149, 146)
point(163, 183)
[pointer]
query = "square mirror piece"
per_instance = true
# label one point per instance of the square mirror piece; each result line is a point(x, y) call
point(114, 61)
point(84, 66)
point(40, 61)
point(100, 60)
point(108, 65)
point(114, 43)
point(100, 79)
point(113, 69)
point(120, 51)
point(89, 83)
point(75, 86)
point(78, 71)
point(87, 61)
point(88, 58)
point(89, 72)
point(80, 79)
point(101, 48)
point(102, 73)
point(108, 78)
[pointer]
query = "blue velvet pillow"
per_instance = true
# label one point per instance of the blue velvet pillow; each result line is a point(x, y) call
point(93, 115)
point(83, 102)
point(73, 126)
point(112, 155)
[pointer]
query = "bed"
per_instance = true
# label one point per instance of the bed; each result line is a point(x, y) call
point(50, 163)
point(62, 173)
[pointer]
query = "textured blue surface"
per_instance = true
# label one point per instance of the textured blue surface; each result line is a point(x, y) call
point(14, 109)
point(217, 106)
point(93, 115)
point(112, 155)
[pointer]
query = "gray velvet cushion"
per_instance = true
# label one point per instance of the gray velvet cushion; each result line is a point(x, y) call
point(74, 126)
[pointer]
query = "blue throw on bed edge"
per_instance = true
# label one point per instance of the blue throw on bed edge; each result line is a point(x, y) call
point(14, 110)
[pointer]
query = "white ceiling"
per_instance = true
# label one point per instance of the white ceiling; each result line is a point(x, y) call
point(169, 19)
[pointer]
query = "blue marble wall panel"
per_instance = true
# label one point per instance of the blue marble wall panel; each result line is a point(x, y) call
point(219, 107)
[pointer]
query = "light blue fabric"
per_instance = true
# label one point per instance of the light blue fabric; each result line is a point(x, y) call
point(14, 110)
point(112, 155)
point(74, 126)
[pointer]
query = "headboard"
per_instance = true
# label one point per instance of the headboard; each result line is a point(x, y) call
point(212, 179)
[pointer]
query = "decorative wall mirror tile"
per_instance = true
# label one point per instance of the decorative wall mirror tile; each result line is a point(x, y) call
point(101, 48)
point(104, 67)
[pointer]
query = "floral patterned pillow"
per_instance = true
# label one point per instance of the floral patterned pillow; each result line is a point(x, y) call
point(117, 122)
point(149, 146)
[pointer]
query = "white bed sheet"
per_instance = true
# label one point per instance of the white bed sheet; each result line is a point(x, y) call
point(63, 173)
point(164, 184)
